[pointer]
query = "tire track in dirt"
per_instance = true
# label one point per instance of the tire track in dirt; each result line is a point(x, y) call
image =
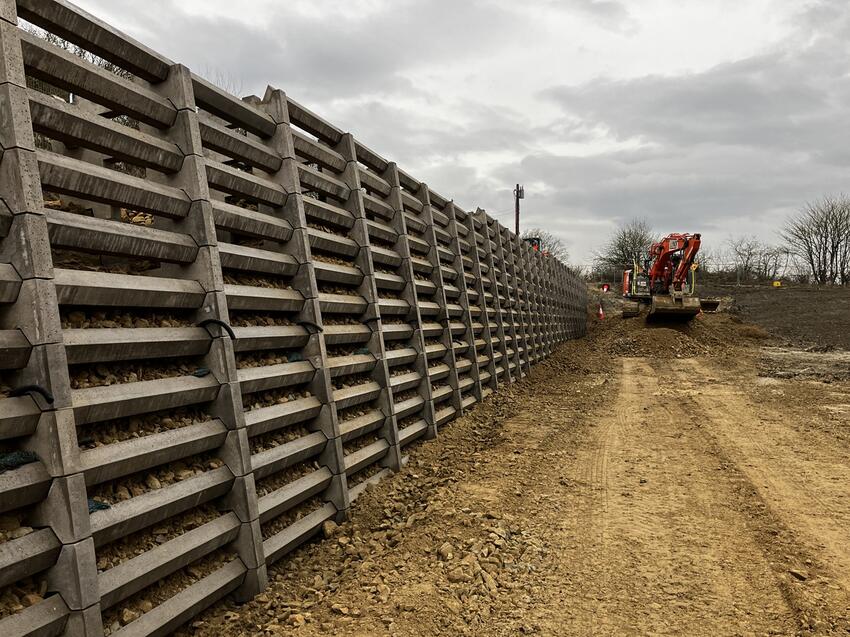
point(801, 481)
point(655, 544)
point(787, 476)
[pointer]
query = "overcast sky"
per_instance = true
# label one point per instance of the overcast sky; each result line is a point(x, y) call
point(713, 116)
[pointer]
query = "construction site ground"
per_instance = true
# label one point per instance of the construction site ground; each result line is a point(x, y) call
point(645, 480)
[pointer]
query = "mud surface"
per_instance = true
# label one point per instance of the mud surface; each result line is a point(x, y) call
point(642, 481)
point(803, 315)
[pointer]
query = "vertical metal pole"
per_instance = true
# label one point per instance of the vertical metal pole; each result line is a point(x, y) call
point(516, 207)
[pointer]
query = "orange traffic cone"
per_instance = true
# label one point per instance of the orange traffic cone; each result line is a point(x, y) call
point(601, 313)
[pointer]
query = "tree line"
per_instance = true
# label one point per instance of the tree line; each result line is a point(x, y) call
point(813, 247)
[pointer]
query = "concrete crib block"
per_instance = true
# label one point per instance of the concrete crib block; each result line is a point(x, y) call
point(66, 174)
point(245, 297)
point(23, 486)
point(356, 395)
point(8, 12)
point(213, 306)
point(75, 575)
point(392, 459)
point(353, 364)
point(236, 111)
point(20, 266)
point(119, 344)
point(84, 623)
point(118, 459)
point(252, 339)
point(94, 404)
point(277, 546)
point(47, 617)
point(333, 457)
point(96, 234)
point(20, 183)
point(154, 506)
point(28, 555)
point(15, 128)
point(249, 545)
point(227, 406)
point(326, 421)
point(11, 60)
point(47, 368)
point(270, 461)
point(242, 499)
point(80, 287)
point(257, 260)
point(255, 582)
point(294, 493)
point(366, 456)
point(338, 495)
point(199, 222)
point(55, 443)
point(236, 453)
point(275, 107)
point(18, 417)
point(133, 575)
point(206, 269)
point(220, 138)
point(254, 379)
point(65, 509)
point(220, 358)
point(178, 90)
point(354, 428)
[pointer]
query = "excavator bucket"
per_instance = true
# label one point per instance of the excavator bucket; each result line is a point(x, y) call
point(685, 307)
point(709, 305)
point(631, 309)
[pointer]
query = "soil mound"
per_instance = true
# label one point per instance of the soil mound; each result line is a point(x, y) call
point(705, 335)
point(658, 342)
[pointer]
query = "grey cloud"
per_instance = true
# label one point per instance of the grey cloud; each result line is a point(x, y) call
point(609, 14)
point(777, 100)
point(324, 56)
point(792, 98)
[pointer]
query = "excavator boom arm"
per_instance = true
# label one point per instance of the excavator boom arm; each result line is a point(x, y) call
point(672, 258)
point(688, 256)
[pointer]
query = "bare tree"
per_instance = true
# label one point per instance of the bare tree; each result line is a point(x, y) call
point(744, 253)
point(771, 262)
point(755, 260)
point(580, 271)
point(629, 244)
point(223, 79)
point(549, 243)
point(820, 236)
point(712, 260)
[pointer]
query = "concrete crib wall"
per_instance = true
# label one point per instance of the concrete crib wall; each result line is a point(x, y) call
point(220, 319)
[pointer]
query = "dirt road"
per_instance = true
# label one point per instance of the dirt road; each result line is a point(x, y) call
point(676, 492)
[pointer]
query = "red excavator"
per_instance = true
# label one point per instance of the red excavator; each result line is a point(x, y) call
point(665, 281)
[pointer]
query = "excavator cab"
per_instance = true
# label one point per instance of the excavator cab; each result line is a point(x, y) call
point(636, 290)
